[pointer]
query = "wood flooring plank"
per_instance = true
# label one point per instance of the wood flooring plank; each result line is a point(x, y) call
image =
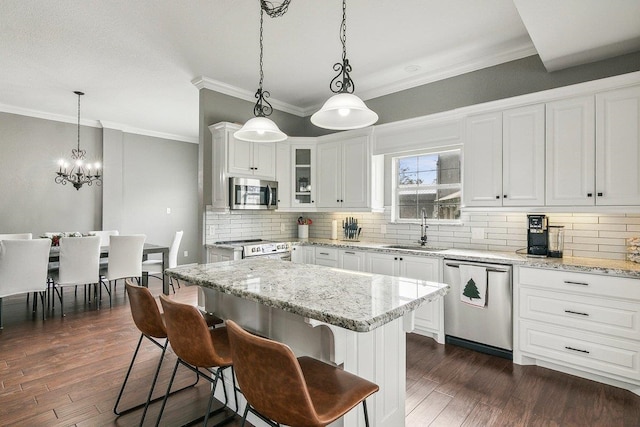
point(417, 391)
point(482, 415)
point(428, 410)
point(456, 412)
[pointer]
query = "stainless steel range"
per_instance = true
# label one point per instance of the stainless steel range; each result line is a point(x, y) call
point(264, 248)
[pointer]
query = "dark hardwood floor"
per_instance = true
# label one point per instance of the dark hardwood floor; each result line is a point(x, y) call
point(67, 371)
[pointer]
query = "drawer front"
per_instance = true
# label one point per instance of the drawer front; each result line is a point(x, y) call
point(606, 316)
point(590, 284)
point(612, 356)
point(326, 253)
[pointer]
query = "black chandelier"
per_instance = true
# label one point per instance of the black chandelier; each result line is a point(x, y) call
point(80, 172)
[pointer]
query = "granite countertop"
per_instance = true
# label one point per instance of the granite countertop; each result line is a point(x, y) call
point(352, 300)
point(575, 264)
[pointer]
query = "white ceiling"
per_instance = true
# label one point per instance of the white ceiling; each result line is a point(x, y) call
point(136, 60)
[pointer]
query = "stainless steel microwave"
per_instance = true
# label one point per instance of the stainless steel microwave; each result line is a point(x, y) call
point(249, 193)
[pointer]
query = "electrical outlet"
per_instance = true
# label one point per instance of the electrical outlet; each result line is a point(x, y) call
point(383, 228)
point(282, 227)
point(186, 253)
point(477, 233)
point(168, 211)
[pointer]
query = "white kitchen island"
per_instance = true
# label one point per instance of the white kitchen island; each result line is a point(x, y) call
point(352, 319)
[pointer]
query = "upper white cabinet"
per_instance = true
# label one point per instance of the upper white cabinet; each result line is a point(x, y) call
point(504, 158)
point(570, 152)
point(344, 173)
point(283, 175)
point(593, 150)
point(483, 160)
point(252, 159)
point(618, 147)
point(231, 158)
point(523, 156)
point(303, 173)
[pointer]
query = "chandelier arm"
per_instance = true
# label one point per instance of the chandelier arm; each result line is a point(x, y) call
point(342, 82)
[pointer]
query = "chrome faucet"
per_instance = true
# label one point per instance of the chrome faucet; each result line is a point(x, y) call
point(423, 228)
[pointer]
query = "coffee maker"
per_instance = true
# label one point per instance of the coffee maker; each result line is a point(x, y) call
point(537, 235)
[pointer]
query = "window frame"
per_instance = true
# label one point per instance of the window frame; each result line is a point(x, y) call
point(395, 218)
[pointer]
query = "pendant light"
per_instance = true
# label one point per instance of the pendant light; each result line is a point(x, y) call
point(261, 128)
point(344, 110)
point(80, 172)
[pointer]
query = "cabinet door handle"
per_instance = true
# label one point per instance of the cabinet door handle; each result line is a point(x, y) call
point(589, 194)
point(395, 258)
point(569, 282)
point(576, 312)
point(497, 197)
point(576, 349)
point(504, 197)
point(400, 259)
point(600, 194)
point(338, 201)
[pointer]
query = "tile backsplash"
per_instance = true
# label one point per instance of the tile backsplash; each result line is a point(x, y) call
point(586, 235)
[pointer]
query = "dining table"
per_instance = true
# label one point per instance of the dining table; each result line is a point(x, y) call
point(147, 249)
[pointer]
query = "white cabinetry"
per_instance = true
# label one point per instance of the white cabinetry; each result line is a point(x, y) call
point(303, 173)
point(326, 256)
point(352, 260)
point(230, 158)
point(429, 318)
point(483, 160)
point(618, 147)
point(523, 156)
point(570, 153)
point(344, 173)
point(593, 150)
point(301, 254)
point(580, 321)
point(283, 175)
point(504, 158)
point(252, 159)
point(216, 254)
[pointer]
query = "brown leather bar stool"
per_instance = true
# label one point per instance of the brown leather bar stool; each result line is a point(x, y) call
point(149, 321)
point(198, 347)
point(298, 392)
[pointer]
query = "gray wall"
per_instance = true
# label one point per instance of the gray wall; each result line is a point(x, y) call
point(149, 175)
point(30, 200)
point(506, 80)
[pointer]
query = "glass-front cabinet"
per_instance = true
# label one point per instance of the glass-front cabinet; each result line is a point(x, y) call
point(303, 157)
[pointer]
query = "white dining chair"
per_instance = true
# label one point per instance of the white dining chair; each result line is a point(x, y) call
point(125, 256)
point(105, 235)
point(16, 236)
point(153, 267)
point(79, 265)
point(23, 269)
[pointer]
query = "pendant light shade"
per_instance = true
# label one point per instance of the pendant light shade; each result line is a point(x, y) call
point(344, 111)
point(260, 129)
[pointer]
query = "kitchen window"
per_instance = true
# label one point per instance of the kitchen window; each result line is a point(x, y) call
point(429, 181)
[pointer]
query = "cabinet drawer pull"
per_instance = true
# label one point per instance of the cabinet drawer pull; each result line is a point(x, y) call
point(350, 253)
point(569, 282)
point(576, 349)
point(576, 312)
point(324, 253)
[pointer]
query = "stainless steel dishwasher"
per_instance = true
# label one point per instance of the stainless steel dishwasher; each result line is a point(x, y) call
point(488, 329)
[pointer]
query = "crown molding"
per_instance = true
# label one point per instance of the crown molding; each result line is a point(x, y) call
point(129, 129)
point(203, 82)
point(5, 108)
point(516, 50)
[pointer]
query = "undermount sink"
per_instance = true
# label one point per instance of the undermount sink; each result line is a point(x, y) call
point(414, 248)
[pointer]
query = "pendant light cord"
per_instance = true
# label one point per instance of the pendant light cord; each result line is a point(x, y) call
point(78, 121)
point(261, 48)
point(343, 30)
